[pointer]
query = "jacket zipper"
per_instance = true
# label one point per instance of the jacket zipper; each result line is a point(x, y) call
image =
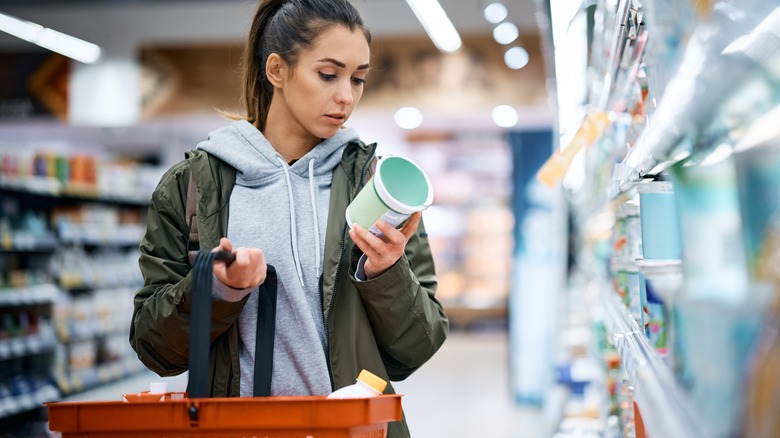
point(358, 186)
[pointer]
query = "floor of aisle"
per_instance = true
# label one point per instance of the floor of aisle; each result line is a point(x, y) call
point(463, 391)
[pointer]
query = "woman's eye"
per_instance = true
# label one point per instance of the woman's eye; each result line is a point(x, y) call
point(358, 81)
point(327, 77)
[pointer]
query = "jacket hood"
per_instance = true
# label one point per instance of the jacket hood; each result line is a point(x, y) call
point(245, 148)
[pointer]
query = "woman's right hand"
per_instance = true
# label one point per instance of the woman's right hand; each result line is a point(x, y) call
point(247, 270)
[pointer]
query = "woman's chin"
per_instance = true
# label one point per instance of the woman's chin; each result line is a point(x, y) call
point(328, 132)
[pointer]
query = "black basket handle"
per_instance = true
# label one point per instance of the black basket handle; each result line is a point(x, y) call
point(200, 320)
point(200, 325)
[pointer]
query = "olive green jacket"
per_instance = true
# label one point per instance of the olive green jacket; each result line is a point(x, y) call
point(390, 325)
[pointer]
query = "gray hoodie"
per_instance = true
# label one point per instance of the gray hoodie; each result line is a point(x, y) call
point(282, 210)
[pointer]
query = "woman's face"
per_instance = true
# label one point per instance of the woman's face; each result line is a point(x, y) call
point(326, 84)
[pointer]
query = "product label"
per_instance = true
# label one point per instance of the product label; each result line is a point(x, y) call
point(391, 217)
point(655, 327)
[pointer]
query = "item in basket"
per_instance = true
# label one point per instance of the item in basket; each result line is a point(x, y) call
point(367, 384)
point(158, 392)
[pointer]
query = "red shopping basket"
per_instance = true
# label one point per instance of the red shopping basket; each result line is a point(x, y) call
point(199, 416)
point(272, 417)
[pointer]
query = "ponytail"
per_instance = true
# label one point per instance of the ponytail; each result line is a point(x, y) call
point(257, 90)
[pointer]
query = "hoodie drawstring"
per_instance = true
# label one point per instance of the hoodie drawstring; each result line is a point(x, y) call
point(315, 216)
point(293, 233)
point(312, 193)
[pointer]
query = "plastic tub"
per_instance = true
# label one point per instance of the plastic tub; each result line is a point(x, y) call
point(397, 189)
point(659, 222)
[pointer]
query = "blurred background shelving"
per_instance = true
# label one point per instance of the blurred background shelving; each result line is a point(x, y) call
point(83, 146)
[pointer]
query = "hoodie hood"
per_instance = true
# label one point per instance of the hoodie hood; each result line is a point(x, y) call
point(257, 163)
point(301, 189)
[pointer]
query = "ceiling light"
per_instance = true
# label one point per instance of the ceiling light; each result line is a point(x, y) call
point(516, 58)
point(408, 117)
point(59, 42)
point(505, 33)
point(505, 116)
point(436, 23)
point(495, 13)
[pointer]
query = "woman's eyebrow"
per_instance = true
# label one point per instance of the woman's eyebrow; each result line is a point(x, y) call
point(340, 64)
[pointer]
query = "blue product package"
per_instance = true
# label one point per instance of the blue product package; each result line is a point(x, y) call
point(659, 222)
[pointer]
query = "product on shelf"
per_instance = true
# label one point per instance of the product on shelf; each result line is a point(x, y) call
point(758, 169)
point(69, 270)
point(593, 125)
point(659, 223)
point(78, 174)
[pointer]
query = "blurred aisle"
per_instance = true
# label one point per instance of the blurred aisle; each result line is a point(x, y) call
point(463, 391)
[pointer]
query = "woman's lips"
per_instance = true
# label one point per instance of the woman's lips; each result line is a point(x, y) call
point(335, 118)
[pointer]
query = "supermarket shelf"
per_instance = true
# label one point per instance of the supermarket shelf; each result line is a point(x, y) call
point(102, 235)
point(664, 407)
point(88, 379)
point(30, 295)
point(27, 345)
point(26, 402)
point(76, 331)
point(468, 317)
point(20, 242)
point(52, 188)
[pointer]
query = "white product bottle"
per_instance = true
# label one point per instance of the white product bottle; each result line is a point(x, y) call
point(366, 385)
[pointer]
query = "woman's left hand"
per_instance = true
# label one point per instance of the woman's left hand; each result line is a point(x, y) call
point(382, 253)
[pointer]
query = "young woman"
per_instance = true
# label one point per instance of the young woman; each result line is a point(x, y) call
point(272, 188)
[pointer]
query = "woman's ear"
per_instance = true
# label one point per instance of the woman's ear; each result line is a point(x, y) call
point(274, 70)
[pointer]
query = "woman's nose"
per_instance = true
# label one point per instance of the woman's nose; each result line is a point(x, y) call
point(344, 92)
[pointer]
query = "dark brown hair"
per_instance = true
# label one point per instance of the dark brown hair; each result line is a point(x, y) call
point(284, 27)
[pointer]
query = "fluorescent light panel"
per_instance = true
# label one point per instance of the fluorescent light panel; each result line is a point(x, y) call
point(59, 42)
point(436, 23)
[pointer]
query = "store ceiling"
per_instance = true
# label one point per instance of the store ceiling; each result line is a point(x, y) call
point(123, 27)
point(199, 20)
